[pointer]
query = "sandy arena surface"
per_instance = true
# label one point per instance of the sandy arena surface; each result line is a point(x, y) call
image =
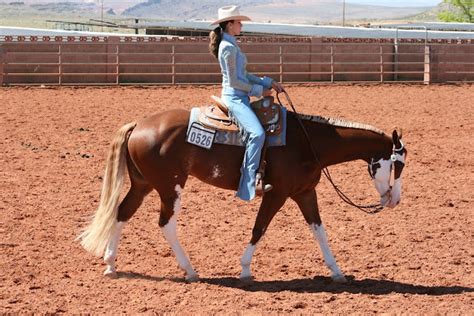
point(416, 258)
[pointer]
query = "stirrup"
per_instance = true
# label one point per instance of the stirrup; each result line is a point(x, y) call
point(260, 188)
point(260, 191)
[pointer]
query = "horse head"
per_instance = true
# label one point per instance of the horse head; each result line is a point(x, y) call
point(383, 167)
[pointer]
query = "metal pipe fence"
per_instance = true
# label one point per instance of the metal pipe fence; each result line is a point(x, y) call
point(119, 63)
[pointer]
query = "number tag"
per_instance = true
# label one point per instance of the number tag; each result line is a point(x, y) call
point(200, 136)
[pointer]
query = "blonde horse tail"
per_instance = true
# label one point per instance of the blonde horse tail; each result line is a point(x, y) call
point(96, 236)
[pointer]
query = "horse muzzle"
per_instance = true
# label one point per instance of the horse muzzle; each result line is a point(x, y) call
point(390, 198)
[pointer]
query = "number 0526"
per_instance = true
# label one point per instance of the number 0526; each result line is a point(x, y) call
point(200, 136)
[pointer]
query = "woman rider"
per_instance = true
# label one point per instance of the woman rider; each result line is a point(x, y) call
point(237, 87)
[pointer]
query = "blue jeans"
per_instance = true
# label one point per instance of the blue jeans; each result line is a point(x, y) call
point(254, 138)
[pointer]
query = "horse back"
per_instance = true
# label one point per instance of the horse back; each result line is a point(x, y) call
point(158, 148)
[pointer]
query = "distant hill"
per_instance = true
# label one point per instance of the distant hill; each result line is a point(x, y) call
point(432, 13)
point(398, 3)
point(186, 9)
point(34, 13)
point(428, 15)
point(65, 7)
point(31, 8)
point(284, 11)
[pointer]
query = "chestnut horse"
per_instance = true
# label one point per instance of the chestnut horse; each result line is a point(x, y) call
point(156, 155)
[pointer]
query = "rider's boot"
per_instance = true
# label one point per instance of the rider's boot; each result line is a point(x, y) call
point(260, 187)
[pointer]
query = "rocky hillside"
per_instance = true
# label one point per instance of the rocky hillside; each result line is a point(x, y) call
point(287, 11)
point(33, 13)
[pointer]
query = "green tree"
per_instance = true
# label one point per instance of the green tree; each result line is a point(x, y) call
point(459, 11)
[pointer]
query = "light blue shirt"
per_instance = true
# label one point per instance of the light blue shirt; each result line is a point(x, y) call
point(235, 78)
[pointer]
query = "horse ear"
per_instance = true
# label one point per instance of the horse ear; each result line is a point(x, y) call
point(396, 136)
point(399, 132)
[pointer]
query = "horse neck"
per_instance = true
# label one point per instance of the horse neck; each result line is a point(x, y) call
point(341, 144)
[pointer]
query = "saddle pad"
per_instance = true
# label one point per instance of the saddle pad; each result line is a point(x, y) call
point(234, 138)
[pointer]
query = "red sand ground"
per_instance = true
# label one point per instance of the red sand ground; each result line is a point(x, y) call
point(416, 258)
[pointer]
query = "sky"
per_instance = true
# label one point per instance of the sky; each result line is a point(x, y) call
point(390, 3)
point(398, 3)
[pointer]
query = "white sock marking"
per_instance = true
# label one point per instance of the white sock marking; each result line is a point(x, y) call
point(320, 235)
point(112, 248)
point(169, 230)
point(246, 260)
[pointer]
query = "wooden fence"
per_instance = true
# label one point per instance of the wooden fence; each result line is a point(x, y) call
point(138, 60)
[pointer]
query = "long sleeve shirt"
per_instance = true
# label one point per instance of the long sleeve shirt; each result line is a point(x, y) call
point(235, 78)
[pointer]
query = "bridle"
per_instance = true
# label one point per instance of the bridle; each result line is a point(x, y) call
point(369, 209)
point(395, 157)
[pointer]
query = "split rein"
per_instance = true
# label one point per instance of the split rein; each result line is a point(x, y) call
point(369, 209)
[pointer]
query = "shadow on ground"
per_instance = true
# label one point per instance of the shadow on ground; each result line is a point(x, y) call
point(319, 284)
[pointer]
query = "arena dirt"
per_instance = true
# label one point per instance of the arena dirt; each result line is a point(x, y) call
point(416, 258)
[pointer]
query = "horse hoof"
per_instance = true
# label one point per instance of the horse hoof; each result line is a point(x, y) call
point(111, 274)
point(191, 278)
point(340, 278)
point(247, 280)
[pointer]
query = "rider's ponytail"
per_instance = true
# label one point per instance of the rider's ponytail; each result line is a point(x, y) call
point(215, 38)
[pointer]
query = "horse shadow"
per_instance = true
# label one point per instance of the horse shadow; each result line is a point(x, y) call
point(140, 276)
point(318, 284)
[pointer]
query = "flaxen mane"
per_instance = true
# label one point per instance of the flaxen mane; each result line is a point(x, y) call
point(339, 122)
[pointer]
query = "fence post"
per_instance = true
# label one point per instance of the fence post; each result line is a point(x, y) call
point(395, 59)
point(332, 63)
point(60, 79)
point(173, 68)
point(2, 65)
point(426, 72)
point(117, 65)
point(111, 60)
point(281, 64)
point(381, 64)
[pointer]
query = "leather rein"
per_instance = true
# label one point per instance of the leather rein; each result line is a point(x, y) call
point(369, 209)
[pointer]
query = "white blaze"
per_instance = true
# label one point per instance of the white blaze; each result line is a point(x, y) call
point(382, 180)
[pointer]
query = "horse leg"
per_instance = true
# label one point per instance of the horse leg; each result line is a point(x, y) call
point(308, 205)
point(271, 203)
point(127, 208)
point(170, 208)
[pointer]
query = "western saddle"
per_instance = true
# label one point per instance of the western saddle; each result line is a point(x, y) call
point(217, 116)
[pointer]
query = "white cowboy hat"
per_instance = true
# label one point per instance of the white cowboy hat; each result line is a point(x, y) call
point(229, 13)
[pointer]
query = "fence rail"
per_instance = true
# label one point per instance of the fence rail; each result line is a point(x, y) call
point(75, 63)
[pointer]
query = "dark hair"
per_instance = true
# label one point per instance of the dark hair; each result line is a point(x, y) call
point(215, 38)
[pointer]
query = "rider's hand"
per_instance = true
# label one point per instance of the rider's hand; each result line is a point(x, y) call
point(277, 86)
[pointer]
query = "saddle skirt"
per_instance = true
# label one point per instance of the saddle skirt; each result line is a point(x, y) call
point(268, 113)
point(215, 120)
